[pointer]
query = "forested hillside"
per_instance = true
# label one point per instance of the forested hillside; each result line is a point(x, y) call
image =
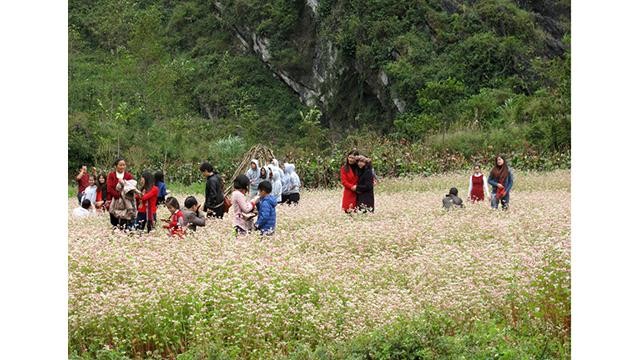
point(422, 86)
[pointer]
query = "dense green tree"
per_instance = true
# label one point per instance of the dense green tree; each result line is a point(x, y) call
point(166, 82)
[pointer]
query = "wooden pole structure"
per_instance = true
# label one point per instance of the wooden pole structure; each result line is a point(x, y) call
point(260, 152)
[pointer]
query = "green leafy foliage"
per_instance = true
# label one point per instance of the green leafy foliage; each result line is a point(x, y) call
point(540, 331)
point(313, 135)
point(163, 83)
point(437, 98)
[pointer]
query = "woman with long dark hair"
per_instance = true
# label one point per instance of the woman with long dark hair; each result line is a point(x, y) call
point(147, 202)
point(349, 180)
point(501, 180)
point(101, 192)
point(364, 188)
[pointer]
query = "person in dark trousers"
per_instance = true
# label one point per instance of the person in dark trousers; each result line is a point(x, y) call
point(214, 195)
point(147, 202)
point(291, 188)
point(452, 200)
point(266, 204)
point(364, 188)
point(501, 180)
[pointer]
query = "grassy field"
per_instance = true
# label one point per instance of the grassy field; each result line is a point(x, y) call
point(410, 281)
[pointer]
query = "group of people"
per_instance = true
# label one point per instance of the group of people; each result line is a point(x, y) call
point(94, 191)
point(358, 179)
point(265, 186)
point(132, 205)
point(285, 181)
point(500, 179)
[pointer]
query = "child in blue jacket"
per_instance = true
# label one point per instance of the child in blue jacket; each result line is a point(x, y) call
point(266, 205)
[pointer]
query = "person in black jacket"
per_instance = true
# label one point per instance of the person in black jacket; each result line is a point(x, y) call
point(364, 188)
point(214, 195)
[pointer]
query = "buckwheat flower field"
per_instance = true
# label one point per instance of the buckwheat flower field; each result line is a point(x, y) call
point(325, 277)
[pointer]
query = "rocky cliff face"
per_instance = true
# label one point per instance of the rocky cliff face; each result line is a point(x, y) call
point(321, 80)
point(347, 82)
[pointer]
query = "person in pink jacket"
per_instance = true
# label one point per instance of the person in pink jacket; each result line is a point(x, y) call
point(242, 208)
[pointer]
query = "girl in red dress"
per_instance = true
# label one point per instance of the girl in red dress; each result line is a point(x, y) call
point(349, 180)
point(477, 185)
point(147, 202)
point(176, 224)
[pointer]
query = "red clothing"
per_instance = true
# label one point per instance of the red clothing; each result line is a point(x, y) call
point(83, 182)
point(348, 179)
point(150, 197)
point(112, 181)
point(477, 188)
point(176, 224)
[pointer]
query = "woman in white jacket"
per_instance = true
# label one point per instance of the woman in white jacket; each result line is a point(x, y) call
point(292, 186)
point(276, 182)
point(254, 177)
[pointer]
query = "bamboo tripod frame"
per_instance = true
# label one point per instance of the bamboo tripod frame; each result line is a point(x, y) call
point(260, 152)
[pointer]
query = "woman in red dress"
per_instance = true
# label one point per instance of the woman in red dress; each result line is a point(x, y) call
point(349, 180)
point(477, 185)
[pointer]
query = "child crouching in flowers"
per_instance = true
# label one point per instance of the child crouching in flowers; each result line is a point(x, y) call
point(193, 217)
point(176, 223)
point(452, 200)
point(84, 210)
point(266, 205)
